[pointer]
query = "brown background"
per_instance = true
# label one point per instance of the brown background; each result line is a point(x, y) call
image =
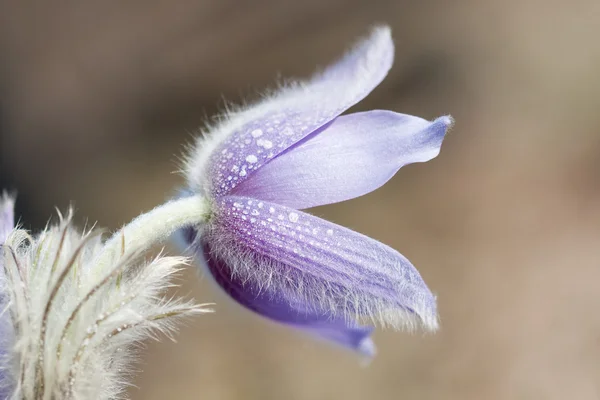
point(97, 98)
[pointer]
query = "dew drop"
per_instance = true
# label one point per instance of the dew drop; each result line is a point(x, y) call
point(256, 133)
point(267, 144)
point(251, 159)
point(330, 232)
point(293, 217)
point(287, 131)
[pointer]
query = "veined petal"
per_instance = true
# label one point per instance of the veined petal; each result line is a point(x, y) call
point(353, 156)
point(291, 312)
point(247, 140)
point(7, 217)
point(333, 270)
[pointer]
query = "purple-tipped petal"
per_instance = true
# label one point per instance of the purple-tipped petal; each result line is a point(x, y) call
point(249, 139)
point(353, 156)
point(271, 305)
point(329, 269)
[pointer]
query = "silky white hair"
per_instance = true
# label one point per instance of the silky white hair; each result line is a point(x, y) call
point(77, 317)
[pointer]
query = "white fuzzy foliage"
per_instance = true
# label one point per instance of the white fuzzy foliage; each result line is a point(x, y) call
point(76, 320)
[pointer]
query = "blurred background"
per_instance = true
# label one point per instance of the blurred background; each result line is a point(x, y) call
point(97, 99)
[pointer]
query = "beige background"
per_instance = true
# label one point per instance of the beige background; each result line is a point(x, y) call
point(97, 98)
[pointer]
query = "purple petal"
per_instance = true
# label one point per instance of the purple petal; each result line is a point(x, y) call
point(353, 156)
point(271, 305)
point(329, 269)
point(6, 226)
point(249, 139)
point(7, 218)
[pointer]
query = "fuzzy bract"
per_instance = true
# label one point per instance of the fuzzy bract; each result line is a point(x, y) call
point(74, 310)
point(294, 150)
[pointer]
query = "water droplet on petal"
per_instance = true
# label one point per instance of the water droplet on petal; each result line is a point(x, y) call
point(251, 159)
point(256, 133)
point(267, 144)
point(293, 217)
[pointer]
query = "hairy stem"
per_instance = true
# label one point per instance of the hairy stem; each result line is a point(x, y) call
point(155, 226)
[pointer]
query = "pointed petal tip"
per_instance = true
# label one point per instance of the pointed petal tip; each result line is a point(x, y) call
point(431, 324)
point(442, 125)
point(447, 121)
point(7, 199)
point(423, 319)
point(382, 31)
point(367, 348)
point(436, 133)
point(7, 217)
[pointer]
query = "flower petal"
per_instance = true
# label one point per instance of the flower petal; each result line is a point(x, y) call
point(7, 218)
point(6, 333)
point(333, 270)
point(295, 314)
point(353, 156)
point(247, 140)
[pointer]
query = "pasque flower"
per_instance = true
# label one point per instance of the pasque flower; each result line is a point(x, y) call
point(259, 166)
point(72, 307)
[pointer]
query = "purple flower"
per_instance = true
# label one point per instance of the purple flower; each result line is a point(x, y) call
point(294, 151)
